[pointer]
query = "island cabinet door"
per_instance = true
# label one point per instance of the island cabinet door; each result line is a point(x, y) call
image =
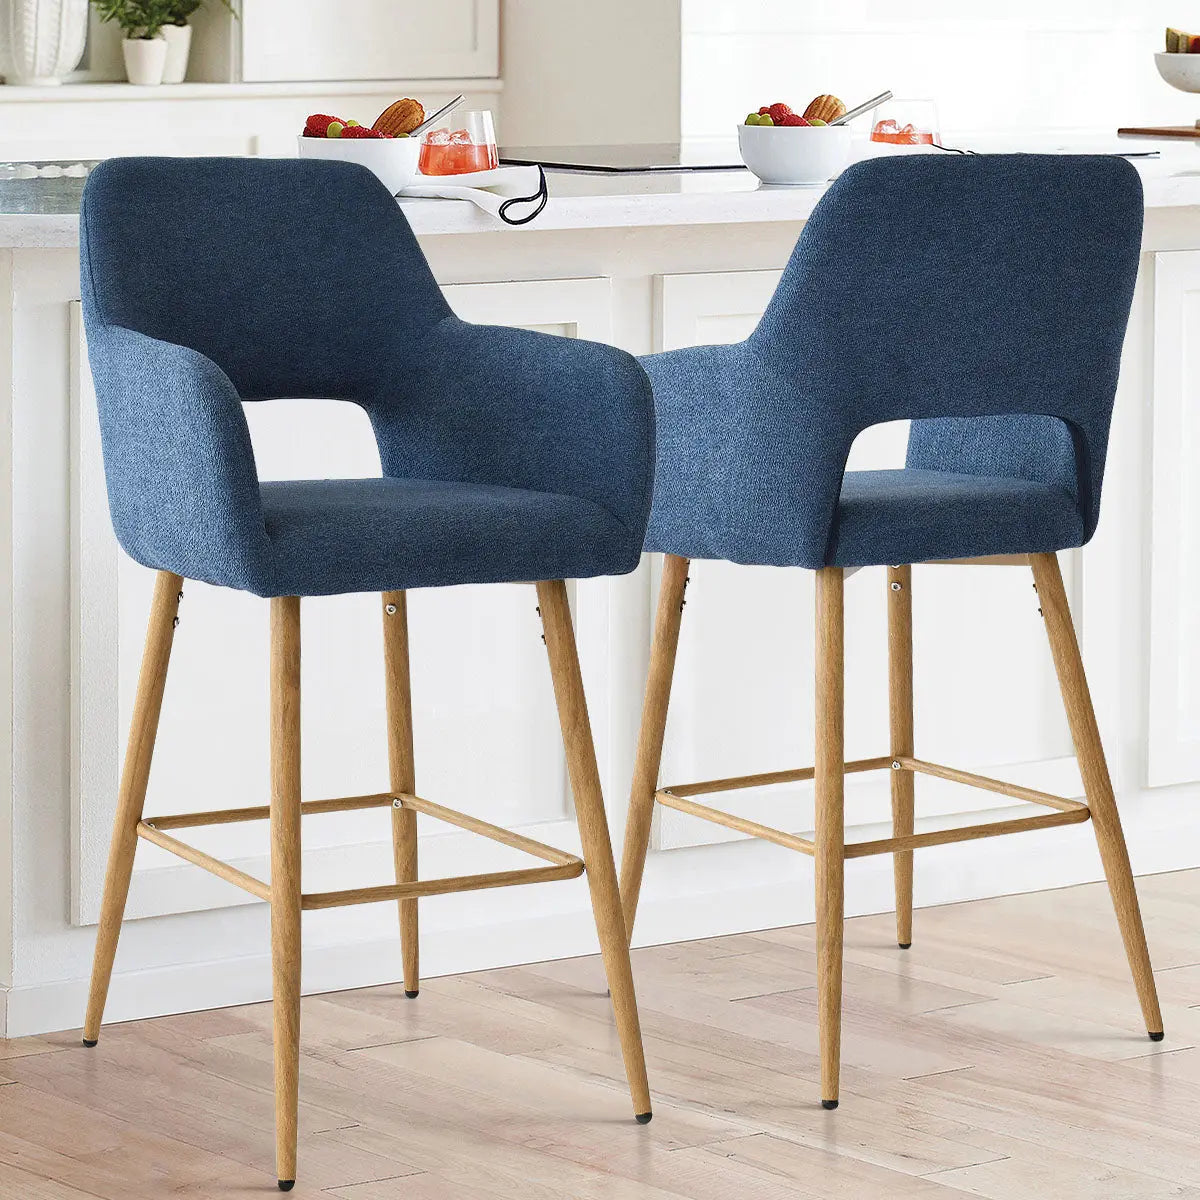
point(486, 731)
point(986, 696)
point(1174, 684)
point(297, 40)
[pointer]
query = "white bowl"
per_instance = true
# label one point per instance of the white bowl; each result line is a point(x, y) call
point(394, 160)
point(1181, 71)
point(795, 156)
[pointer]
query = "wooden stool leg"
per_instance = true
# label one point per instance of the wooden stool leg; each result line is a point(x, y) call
point(285, 876)
point(403, 774)
point(1096, 782)
point(830, 832)
point(593, 833)
point(650, 737)
point(900, 714)
point(134, 777)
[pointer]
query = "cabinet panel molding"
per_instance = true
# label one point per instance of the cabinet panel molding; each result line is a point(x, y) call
point(285, 40)
point(1173, 736)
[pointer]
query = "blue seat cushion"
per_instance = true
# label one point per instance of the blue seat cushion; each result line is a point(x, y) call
point(914, 515)
point(328, 536)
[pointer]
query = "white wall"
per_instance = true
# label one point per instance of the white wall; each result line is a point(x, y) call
point(1027, 63)
point(579, 72)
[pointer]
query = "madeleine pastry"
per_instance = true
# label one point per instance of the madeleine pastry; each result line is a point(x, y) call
point(400, 118)
point(824, 108)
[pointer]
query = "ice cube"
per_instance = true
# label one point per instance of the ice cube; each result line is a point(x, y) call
point(908, 129)
point(438, 137)
point(461, 137)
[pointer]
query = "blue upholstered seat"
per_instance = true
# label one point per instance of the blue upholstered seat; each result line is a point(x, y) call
point(983, 297)
point(506, 454)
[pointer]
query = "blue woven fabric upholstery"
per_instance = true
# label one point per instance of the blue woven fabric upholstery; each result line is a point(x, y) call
point(506, 454)
point(986, 298)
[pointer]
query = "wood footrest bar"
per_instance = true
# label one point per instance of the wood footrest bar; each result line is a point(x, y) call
point(967, 833)
point(562, 864)
point(439, 887)
point(247, 883)
point(229, 816)
point(991, 785)
point(497, 834)
point(791, 841)
point(1068, 812)
point(752, 781)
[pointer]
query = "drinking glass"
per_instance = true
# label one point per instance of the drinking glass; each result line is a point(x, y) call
point(906, 123)
point(470, 147)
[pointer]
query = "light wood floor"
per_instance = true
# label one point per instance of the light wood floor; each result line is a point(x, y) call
point(1002, 1056)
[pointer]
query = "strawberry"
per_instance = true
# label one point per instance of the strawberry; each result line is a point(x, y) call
point(765, 111)
point(792, 119)
point(361, 131)
point(778, 112)
point(318, 125)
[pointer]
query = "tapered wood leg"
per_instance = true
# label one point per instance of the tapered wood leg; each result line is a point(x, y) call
point(830, 832)
point(650, 737)
point(1096, 782)
point(403, 774)
point(135, 775)
point(900, 719)
point(285, 876)
point(593, 833)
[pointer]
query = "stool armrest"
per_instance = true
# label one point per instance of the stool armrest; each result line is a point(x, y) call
point(499, 405)
point(182, 483)
point(748, 467)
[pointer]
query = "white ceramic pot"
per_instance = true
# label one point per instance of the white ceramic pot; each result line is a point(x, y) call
point(394, 160)
point(41, 41)
point(794, 156)
point(145, 60)
point(179, 45)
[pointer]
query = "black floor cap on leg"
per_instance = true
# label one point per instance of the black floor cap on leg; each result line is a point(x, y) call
point(89, 1042)
point(643, 1118)
point(1154, 1037)
point(286, 1185)
point(411, 995)
point(829, 1104)
point(904, 945)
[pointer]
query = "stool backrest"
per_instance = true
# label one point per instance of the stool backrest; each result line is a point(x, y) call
point(989, 291)
point(291, 275)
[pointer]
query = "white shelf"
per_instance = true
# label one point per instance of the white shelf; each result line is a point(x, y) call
point(92, 92)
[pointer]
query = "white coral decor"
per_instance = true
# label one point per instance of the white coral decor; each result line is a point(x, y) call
point(41, 41)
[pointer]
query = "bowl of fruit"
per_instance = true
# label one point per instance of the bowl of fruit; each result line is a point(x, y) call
point(384, 147)
point(792, 149)
point(1180, 65)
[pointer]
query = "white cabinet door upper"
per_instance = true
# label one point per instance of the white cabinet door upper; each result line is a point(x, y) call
point(288, 40)
point(1174, 700)
point(743, 696)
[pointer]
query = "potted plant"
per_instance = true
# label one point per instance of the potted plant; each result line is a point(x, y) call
point(178, 35)
point(144, 47)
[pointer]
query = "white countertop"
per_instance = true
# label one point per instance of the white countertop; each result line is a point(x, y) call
point(708, 198)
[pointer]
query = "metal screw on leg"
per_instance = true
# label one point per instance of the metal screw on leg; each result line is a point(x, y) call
point(390, 609)
point(896, 587)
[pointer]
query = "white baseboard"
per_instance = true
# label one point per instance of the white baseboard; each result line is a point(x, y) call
point(688, 894)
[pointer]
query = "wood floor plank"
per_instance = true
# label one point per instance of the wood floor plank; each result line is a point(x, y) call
point(820, 1174)
point(1000, 1057)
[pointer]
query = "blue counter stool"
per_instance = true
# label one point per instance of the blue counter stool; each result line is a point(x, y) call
point(506, 455)
point(986, 298)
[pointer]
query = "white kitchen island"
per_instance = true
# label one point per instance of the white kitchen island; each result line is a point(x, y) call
point(647, 263)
